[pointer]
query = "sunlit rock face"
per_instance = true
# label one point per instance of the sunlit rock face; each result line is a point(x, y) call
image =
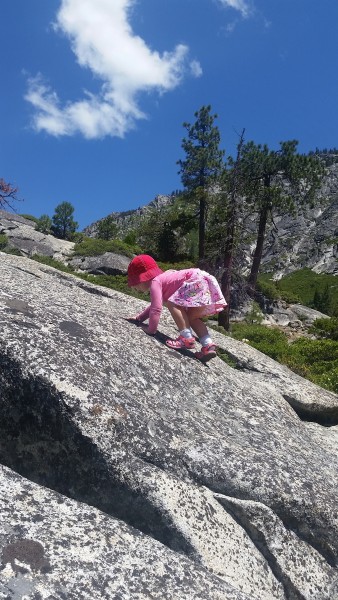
point(23, 237)
point(135, 471)
point(308, 238)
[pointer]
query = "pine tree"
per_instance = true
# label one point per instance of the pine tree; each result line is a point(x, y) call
point(202, 165)
point(233, 186)
point(322, 301)
point(63, 223)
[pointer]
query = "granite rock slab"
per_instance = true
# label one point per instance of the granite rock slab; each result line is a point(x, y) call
point(54, 547)
point(215, 464)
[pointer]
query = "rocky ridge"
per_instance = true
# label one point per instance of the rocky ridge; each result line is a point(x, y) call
point(134, 471)
point(127, 220)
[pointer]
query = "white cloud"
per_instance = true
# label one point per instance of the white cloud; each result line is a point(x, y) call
point(243, 6)
point(103, 41)
point(93, 117)
point(195, 68)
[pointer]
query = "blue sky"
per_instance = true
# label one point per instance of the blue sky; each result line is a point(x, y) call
point(95, 92)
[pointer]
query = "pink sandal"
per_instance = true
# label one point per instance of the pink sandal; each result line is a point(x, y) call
point(181, 342)
point(207, 353)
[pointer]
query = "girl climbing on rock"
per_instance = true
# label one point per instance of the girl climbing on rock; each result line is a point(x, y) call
point(189, 295)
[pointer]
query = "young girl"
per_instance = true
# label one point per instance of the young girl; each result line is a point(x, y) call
point(189, 294)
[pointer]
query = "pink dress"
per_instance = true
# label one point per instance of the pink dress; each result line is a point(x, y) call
point(187, 288)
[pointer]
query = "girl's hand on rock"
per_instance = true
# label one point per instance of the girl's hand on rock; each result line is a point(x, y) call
point(137, 321)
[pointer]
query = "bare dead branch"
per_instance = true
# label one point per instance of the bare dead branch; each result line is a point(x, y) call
point(8, 194)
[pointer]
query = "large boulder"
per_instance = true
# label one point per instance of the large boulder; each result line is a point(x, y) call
point(306, 314)
point(108, 263)
point(22, 236)
point(218, 465)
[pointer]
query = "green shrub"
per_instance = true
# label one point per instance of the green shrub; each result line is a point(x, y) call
point(44, 224)
point(274, 290)
point(317, 360)
point(290, 297)
point(325, 328)
point(51, 262)
point(328, 381)
point(77, 237)
point(91, 247)
point(307, 284)
point(316, 290)
point(313, 351)
point(3, 242)
point(14, 251)
point(122, 248)
point(267, 287)
point(255, 315)
point(269, 340)
point(130, 238)
point(96, 246)
point(225, 356)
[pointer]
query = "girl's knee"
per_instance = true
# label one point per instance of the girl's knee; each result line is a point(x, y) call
point(195, 313)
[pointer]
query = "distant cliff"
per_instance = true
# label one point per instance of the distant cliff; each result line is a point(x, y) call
point(309, 239)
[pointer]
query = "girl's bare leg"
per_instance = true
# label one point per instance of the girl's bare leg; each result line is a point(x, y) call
point(188, 317)
point(179, 314)
point(195, 321)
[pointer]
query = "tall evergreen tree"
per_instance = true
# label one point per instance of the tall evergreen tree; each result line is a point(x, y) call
point(276, 179)
point(234, 184)
point(202, 165)
point(63, 223)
